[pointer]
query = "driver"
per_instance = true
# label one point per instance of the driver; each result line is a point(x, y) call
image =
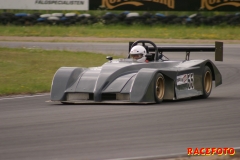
point(138, 53)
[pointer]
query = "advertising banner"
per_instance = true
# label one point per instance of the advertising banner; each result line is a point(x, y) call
point(167, 5)
point(221, 5)
point(45, 4)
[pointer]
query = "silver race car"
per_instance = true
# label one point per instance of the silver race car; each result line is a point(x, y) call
point(145, 76)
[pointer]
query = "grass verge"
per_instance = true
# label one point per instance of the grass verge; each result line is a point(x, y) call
point(31, 70)
point(122, 31)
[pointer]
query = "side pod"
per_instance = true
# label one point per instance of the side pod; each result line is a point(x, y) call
point(140, 92)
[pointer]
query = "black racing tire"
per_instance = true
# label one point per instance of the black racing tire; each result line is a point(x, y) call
point(66, 103)
point(206, 82)
point(159, 87)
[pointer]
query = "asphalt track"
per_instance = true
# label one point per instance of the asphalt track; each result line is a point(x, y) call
point(32, 129)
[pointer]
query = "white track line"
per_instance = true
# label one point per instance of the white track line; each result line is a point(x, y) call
point(29, 96)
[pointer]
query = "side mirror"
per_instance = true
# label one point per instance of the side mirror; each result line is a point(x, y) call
point(109, 58)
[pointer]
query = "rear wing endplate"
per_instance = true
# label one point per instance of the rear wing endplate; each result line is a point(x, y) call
point(218, 51)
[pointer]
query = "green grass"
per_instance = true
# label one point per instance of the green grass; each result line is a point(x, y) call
point(31, 70)
point(121, 31)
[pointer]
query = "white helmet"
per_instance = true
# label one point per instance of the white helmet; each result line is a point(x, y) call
point(138, 53)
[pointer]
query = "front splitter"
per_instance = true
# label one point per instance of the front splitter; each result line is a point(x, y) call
point(102, 102)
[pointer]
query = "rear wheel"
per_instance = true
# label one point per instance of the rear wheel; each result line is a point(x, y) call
point(159, 87)
point(207, 82)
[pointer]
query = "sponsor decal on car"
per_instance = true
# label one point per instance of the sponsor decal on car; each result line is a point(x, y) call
point(210, 151)
point(186, 79)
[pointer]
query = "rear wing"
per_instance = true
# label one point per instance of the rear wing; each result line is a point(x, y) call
point(217, 48)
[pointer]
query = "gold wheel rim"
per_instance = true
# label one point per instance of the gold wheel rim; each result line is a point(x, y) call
point(160, 88)
point(208, 81)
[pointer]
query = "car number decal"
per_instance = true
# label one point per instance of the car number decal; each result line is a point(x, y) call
point(186, 79)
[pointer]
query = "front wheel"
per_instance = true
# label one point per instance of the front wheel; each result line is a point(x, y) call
point(207, 82)
point(159, 87)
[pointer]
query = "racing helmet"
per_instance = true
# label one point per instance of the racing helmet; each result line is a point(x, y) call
point(138, 53)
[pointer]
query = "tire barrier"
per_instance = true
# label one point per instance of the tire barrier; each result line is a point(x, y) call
point(126, 18)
